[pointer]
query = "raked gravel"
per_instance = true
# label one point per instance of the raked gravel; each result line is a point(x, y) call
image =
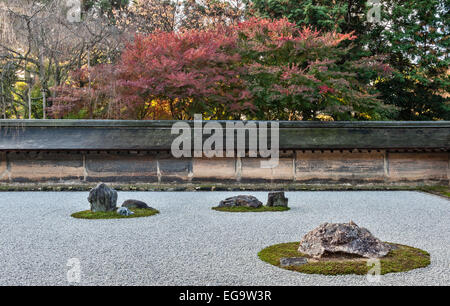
point(190, 244)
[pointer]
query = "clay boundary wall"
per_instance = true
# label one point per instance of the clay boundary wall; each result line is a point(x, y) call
point(80, 151)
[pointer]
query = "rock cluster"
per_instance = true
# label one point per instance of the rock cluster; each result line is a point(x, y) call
point(274, 199)
point(102, 198)
point(346, 238)
point(241, 200)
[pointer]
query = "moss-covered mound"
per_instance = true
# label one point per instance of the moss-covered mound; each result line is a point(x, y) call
point(251, 209)
point(403, 258)
point(87, 214)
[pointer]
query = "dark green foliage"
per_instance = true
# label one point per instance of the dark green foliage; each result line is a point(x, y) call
point(106, 7)
point(307, 75)
point(413, 34)
point(8, 78)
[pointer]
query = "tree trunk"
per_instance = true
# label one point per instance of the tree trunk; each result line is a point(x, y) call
point(3, 102)
point(29, 102)
point(44, 102)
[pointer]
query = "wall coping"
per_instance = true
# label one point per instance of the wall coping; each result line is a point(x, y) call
point(169, 123)
point(122, 135)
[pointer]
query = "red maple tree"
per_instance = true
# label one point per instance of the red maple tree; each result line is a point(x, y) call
point(164, 75)
point(259, 69)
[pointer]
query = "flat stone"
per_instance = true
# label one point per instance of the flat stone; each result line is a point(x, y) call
point(123, 211)
point(102, 198)
point(241, 200)
point(293, 261)
point(346, 238)
point(130, 204)
point(277, 199)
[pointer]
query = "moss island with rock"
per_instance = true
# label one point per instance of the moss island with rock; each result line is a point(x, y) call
point(137, 213)
point(250, 209)
point(343, 248)
point(103, 200)
point(246, 203)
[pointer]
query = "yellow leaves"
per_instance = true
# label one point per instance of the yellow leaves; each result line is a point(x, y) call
point(21, 85)
point(365, 116)
point(341, 100)
point(324, 117)
point(152, 103)
point(378, 80)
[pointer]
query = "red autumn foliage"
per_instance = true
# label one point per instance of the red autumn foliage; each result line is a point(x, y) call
point(168, 75)
point(262, 69)
point(303, 74)
point(279, 32)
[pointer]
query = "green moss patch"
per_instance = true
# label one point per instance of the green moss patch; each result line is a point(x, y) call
point(404, 258)
point(438, 190)
point(251, 209)
point(87, 214)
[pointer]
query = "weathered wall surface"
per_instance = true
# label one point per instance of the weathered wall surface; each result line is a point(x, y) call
point(307, 167)
point(355, 153)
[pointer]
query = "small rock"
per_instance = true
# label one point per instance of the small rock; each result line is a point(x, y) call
point(346, 238)
point(241, 200)
point(293, 261)
point(277, 199)
point(123, 211)
point(130, 204)
point(102, 198)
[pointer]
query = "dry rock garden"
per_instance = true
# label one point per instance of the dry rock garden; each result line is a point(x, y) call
point(187, 243)
point(330, 249)
point(343, 248)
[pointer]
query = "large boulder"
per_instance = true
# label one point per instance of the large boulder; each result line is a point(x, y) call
point(241, 200)
point(102, 198)
point(346, 238)
point(277, 199)
point(131, 204)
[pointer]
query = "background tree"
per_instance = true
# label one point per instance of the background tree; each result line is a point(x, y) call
point(8, 79)
point(44, 46)
point(201, 14)
point(304, 74)
point(145, 16)
point(163, 75)
point(259, 69)
point(105, 6)
point(414, 34)
point(41, 50)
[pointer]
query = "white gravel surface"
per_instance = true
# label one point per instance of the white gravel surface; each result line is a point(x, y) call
point(190, 244)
